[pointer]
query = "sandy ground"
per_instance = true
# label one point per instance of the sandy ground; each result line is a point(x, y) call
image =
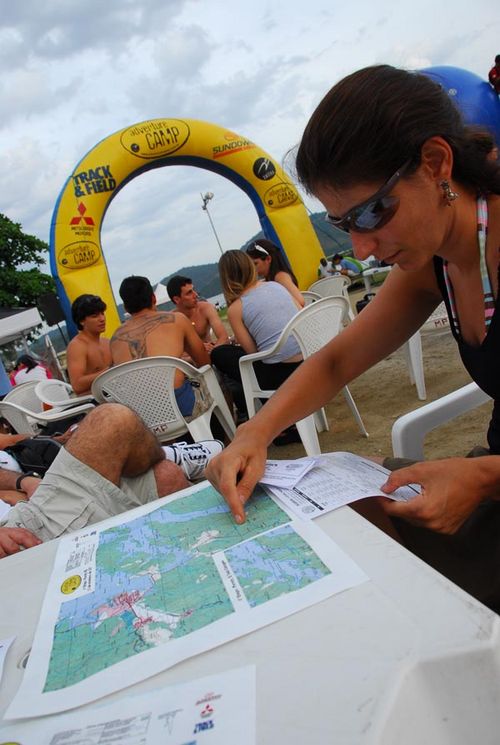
point(384, 393)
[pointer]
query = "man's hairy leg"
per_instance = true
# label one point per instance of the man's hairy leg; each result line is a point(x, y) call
point(115, 442)
point(169, 478)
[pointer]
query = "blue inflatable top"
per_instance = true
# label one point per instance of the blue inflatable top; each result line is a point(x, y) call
point(475, 97)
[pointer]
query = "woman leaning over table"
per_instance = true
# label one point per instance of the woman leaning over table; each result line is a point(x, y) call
point(388, 155)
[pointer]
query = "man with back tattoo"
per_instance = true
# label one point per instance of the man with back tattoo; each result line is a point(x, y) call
point(151, 333)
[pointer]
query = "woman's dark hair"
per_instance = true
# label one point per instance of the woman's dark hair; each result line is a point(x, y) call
point(278, 263)
point(27, 361)
point(86, 305)
point(374, 120)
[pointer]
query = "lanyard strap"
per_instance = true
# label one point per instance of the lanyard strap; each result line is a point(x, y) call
point(489, 302)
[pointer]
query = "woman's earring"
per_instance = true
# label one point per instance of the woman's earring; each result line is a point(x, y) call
point(448, 193)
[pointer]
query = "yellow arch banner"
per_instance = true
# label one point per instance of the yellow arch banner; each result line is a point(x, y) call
point(76, 255)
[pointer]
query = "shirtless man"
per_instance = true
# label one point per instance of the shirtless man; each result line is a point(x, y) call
point(151, 333)
point(202, 314)
point(87, 354)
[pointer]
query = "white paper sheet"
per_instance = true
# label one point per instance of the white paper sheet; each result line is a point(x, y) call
point(337, 479)
point(216, 710)
point(4, 648)
point(286, 473)
point(142, 591)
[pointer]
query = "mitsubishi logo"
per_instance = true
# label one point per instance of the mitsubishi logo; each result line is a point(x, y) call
point(77, 220)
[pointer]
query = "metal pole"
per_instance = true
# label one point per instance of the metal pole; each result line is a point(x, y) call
point(204, 206)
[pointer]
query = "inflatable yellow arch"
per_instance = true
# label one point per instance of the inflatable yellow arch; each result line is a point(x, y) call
point(76, 255)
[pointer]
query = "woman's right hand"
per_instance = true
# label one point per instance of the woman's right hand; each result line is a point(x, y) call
point(236, 471)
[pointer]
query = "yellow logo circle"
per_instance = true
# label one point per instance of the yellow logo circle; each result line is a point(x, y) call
point(155, 138)
point(71, 584)
point(79, 255)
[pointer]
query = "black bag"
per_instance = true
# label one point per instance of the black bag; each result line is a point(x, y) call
point(35, 454)
point(364, 302)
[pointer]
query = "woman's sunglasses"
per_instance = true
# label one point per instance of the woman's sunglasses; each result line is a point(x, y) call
point(374, 212)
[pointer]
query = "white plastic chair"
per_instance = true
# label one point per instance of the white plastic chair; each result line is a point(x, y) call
point(312, 327)
point(59, 394)
point(23, 410)
point(337, 286)
point(147, 387)
point(437, 321)
point(415, 364)
point(310, 297)
point(409, 431)
point(334, 286)
point(24, 395)
point(327, 286)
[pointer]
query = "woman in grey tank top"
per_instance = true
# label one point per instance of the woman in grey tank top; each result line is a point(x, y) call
point(258, 312)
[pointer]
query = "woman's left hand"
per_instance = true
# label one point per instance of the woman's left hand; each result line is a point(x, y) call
point(451, 491)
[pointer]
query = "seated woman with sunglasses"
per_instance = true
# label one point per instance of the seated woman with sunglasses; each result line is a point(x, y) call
point(388, 154)
point(272, 267)
point(258, 312)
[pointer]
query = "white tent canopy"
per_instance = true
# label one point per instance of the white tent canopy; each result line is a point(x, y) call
point(15, 321)
point(161, 294)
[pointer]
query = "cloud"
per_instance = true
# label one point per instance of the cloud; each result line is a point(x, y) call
point(57, 29)
point(31, 182)
point(181, 53)
point(28, 93)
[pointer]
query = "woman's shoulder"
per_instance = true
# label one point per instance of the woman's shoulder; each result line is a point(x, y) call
point(283, 278)
point(235, 308)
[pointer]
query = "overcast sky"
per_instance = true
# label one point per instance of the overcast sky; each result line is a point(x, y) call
point(73, 73)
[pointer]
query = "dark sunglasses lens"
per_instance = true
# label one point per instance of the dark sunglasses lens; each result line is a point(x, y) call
point(339, 223)
point(374, 215)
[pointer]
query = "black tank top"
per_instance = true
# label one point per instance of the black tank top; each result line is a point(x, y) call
point(481, 362)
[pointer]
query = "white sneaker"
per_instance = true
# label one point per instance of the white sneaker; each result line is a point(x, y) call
point(193, 459)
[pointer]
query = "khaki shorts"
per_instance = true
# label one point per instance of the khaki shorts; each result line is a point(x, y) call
point(73, 495)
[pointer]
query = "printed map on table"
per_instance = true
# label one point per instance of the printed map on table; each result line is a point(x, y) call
point(169, 582)
point(156, 581)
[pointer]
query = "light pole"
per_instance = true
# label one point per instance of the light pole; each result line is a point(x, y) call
point(205, 198)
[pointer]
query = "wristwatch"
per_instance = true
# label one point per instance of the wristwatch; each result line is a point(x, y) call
point(24, 476)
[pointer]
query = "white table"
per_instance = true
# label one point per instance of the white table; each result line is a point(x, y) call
point(367, 273)
point(405, 658)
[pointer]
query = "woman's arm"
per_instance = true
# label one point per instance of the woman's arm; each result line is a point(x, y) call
point(235, 318)
point(401, 306)
point(284, 279)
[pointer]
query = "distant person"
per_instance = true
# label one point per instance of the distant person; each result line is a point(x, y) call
point(272, 267)
point(346, 266)
point(88, 354)
point(325, 268)
point(202, 314)
point(27, 369)
point(152, 333)
point(494, 74)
